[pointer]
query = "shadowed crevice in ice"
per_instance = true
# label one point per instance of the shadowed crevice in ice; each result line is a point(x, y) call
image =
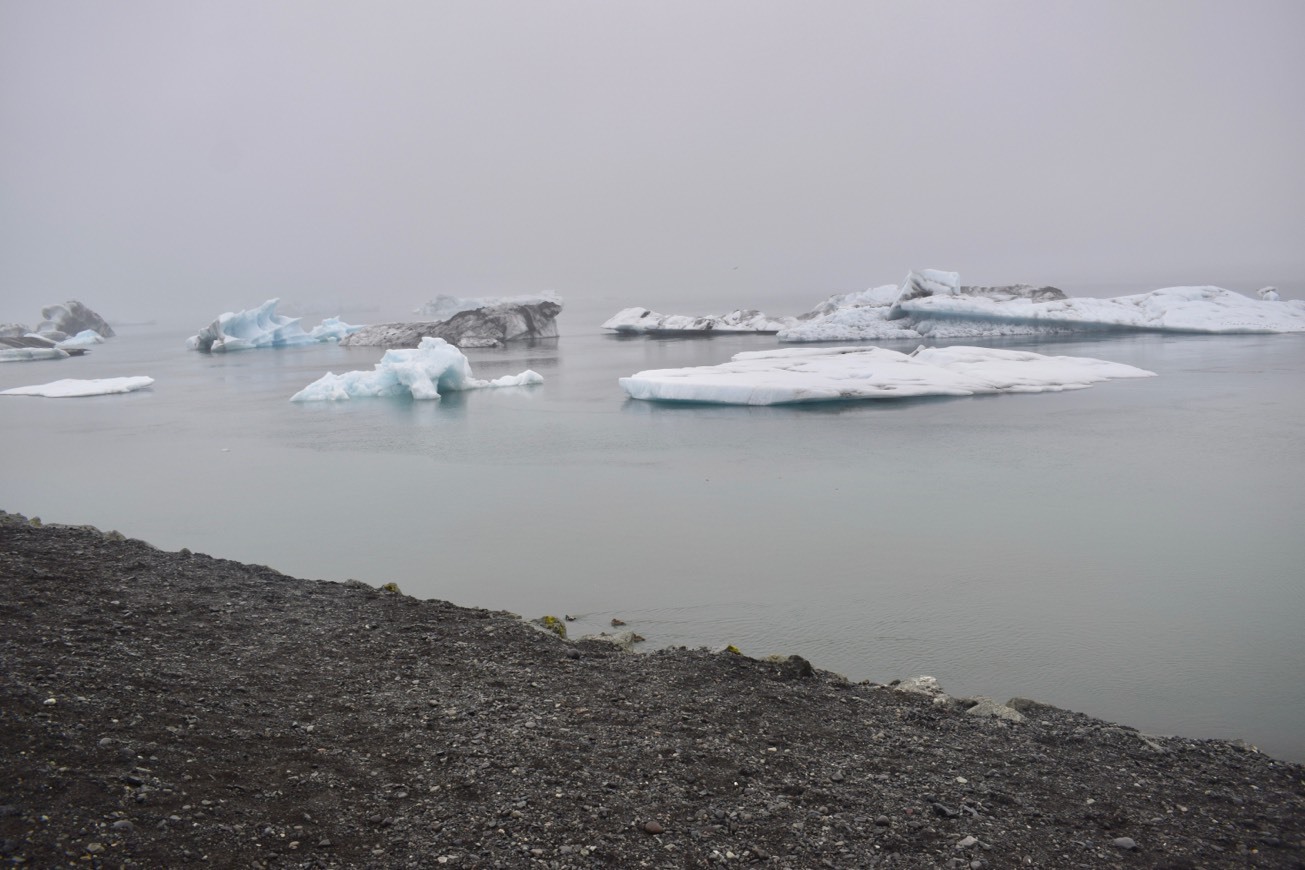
point(848, 373)
point(422, 372)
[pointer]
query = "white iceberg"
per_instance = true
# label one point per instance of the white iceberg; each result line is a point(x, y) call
point(262, 327)
point(1171, 309)
point(421, 372)
point(642, 321)
point(69, 388)
point(85, 338)
point(933, 303)
point(332, 329)
point(26, 354)
point(845, 373)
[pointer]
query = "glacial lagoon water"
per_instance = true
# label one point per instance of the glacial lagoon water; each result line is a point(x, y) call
point(1133, 550)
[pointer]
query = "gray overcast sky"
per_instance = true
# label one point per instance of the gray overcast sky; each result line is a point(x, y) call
point(209, 155)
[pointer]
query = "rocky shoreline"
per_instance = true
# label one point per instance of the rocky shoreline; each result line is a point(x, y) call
point(159, 709)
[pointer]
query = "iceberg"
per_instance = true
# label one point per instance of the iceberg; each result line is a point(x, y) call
point(69, 388)
point(489, 323)
point(263, 327)
point(85, 338)
point(31, 346)
point(70, 318)
point(842, 317)
point(26, 354)
point(642, 321)
point(1210, 310)
point(793, 375)
point(421, 372)
point(332, 329)
point(444, 306)
point(932, 303)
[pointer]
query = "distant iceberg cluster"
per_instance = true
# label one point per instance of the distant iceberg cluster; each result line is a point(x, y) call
point(796, 375)
point(932, 303)
point(423, 372)
point(263, 327)
point(67, 329)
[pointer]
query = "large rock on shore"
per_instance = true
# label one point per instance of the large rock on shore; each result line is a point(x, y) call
point(490, 325)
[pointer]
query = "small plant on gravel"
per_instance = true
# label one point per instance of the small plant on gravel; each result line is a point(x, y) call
point(553, 624)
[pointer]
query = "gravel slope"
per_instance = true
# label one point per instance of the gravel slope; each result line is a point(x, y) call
point(159, 709)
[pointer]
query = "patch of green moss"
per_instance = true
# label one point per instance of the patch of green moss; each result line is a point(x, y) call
point(553, 624)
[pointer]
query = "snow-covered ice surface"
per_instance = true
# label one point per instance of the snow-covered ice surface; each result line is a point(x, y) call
point(421, 372)
point(262, 327)
point(70, 388)
point(641, 321)
point(846, 373)
point(1172, 309)
point(932, 303)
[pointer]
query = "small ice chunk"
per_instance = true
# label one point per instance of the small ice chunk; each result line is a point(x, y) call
point(332, 329)
point(69, 388)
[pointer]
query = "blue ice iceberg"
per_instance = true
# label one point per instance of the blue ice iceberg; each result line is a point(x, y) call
point(263, 327)
point(421, 372)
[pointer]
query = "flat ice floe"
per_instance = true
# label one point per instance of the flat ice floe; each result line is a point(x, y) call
point(27, 354)
point(263, 327)
point(845, 373)
point(421, 372)
point(933, 303)
point(70, 388)
point(1171, 309)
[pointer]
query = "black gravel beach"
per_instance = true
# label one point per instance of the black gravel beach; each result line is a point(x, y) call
point(161, 709)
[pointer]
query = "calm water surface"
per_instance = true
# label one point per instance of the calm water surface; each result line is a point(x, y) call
point(1133, 550)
